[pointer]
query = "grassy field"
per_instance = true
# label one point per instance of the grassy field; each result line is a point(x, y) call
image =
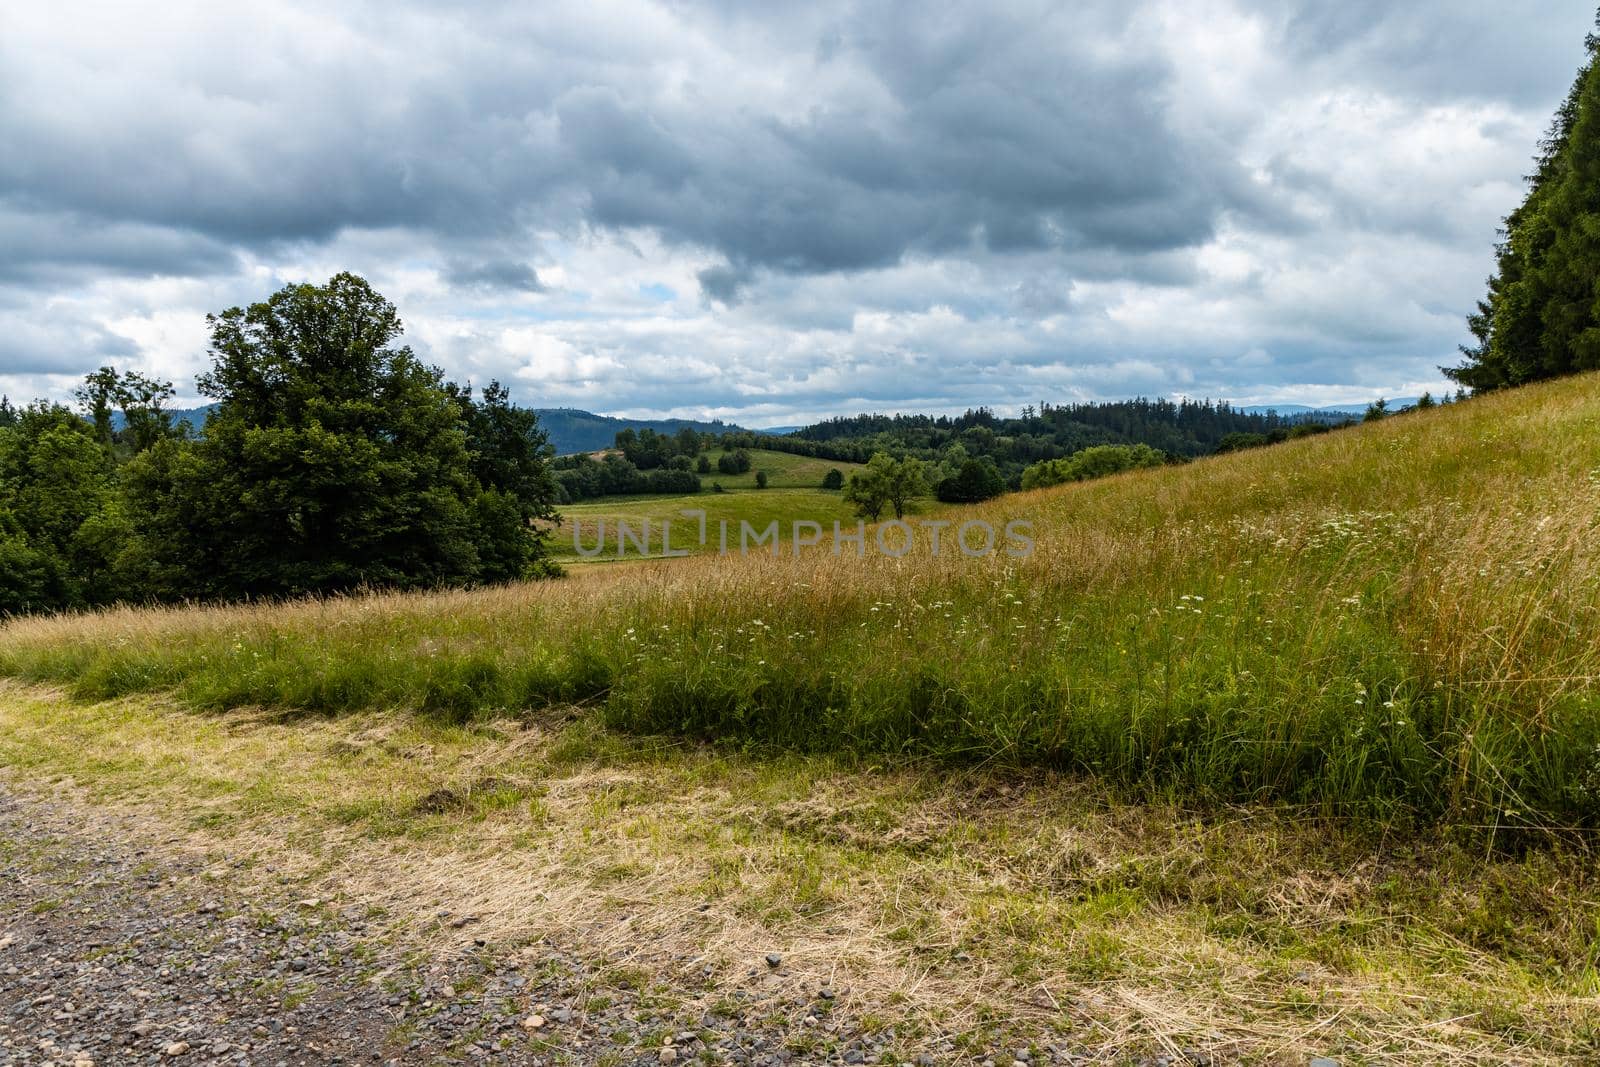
point(758, 507)
point(1392, 620)
point(784, 471)
point(1287, 752)
point(794, 493)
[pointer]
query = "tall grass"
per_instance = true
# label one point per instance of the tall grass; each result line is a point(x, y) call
point(1402, 616)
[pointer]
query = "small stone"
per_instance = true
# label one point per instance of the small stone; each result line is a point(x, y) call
point(774, 959)
point(177, 1048)
point(533, 1022)
point(1323, 1061)
point(310, 902)
point(669, 1055)
point(298, 965)
point(825, 993)
point(447, 991)
point(1022, 1055)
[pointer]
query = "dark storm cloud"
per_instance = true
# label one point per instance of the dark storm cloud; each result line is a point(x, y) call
point(501, 275)
point(1436, 50)
point(981, 129)
point(937, 201)
point(993, 132)
point(50, 247)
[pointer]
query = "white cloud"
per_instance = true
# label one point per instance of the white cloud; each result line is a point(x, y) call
point(899, 209)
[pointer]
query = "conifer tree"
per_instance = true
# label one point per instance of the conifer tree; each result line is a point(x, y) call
point(1541, 317)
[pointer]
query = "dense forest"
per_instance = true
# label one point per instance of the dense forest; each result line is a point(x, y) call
point(333, 460)
point(1008, 446)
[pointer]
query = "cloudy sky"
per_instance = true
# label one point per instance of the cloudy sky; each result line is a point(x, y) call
point(772, 212)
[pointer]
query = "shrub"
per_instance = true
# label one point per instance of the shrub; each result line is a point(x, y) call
point(975, 482)
point(1096, 462)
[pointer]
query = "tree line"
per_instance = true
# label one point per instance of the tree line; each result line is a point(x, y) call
point(644, 461)
point(1183, 429)
point(334, 460)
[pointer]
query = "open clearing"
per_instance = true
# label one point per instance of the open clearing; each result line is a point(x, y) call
point(794, 493)
point(757, 507)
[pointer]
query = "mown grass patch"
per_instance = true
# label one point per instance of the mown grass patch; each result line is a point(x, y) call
point(972, 902)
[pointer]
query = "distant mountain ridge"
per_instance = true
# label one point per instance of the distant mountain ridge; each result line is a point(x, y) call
point(570, 429)
point(575, 430)
point(1327, 412)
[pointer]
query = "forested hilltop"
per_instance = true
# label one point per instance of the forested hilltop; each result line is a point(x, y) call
point(1007, 448)
point(1183, 428)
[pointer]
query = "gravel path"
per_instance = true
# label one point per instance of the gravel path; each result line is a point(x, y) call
point(110, 954)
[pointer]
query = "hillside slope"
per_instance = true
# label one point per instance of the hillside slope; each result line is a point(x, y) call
point(1395, 617)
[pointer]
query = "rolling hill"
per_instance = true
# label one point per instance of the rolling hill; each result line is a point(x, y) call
point(1279, 754)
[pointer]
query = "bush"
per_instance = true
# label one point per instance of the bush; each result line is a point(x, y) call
point(761, 479)
point(976, 481)
point(735, 462)
point(1236, 442)
point(1096, 462)
point(834, 479)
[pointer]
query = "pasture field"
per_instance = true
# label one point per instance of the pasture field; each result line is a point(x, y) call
point(794, 493)
point(784, 471)
point(1289, 752)
point(758, 507)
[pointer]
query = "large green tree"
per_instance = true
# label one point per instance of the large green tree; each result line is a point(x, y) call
point(335, 459)
point(886, 482)
point(56, 488)
point(1541, 317)
point(509, 455)
point(144, 405)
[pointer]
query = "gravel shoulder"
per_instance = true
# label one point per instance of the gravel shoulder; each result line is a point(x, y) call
point(113, 952)
point(257, 887)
